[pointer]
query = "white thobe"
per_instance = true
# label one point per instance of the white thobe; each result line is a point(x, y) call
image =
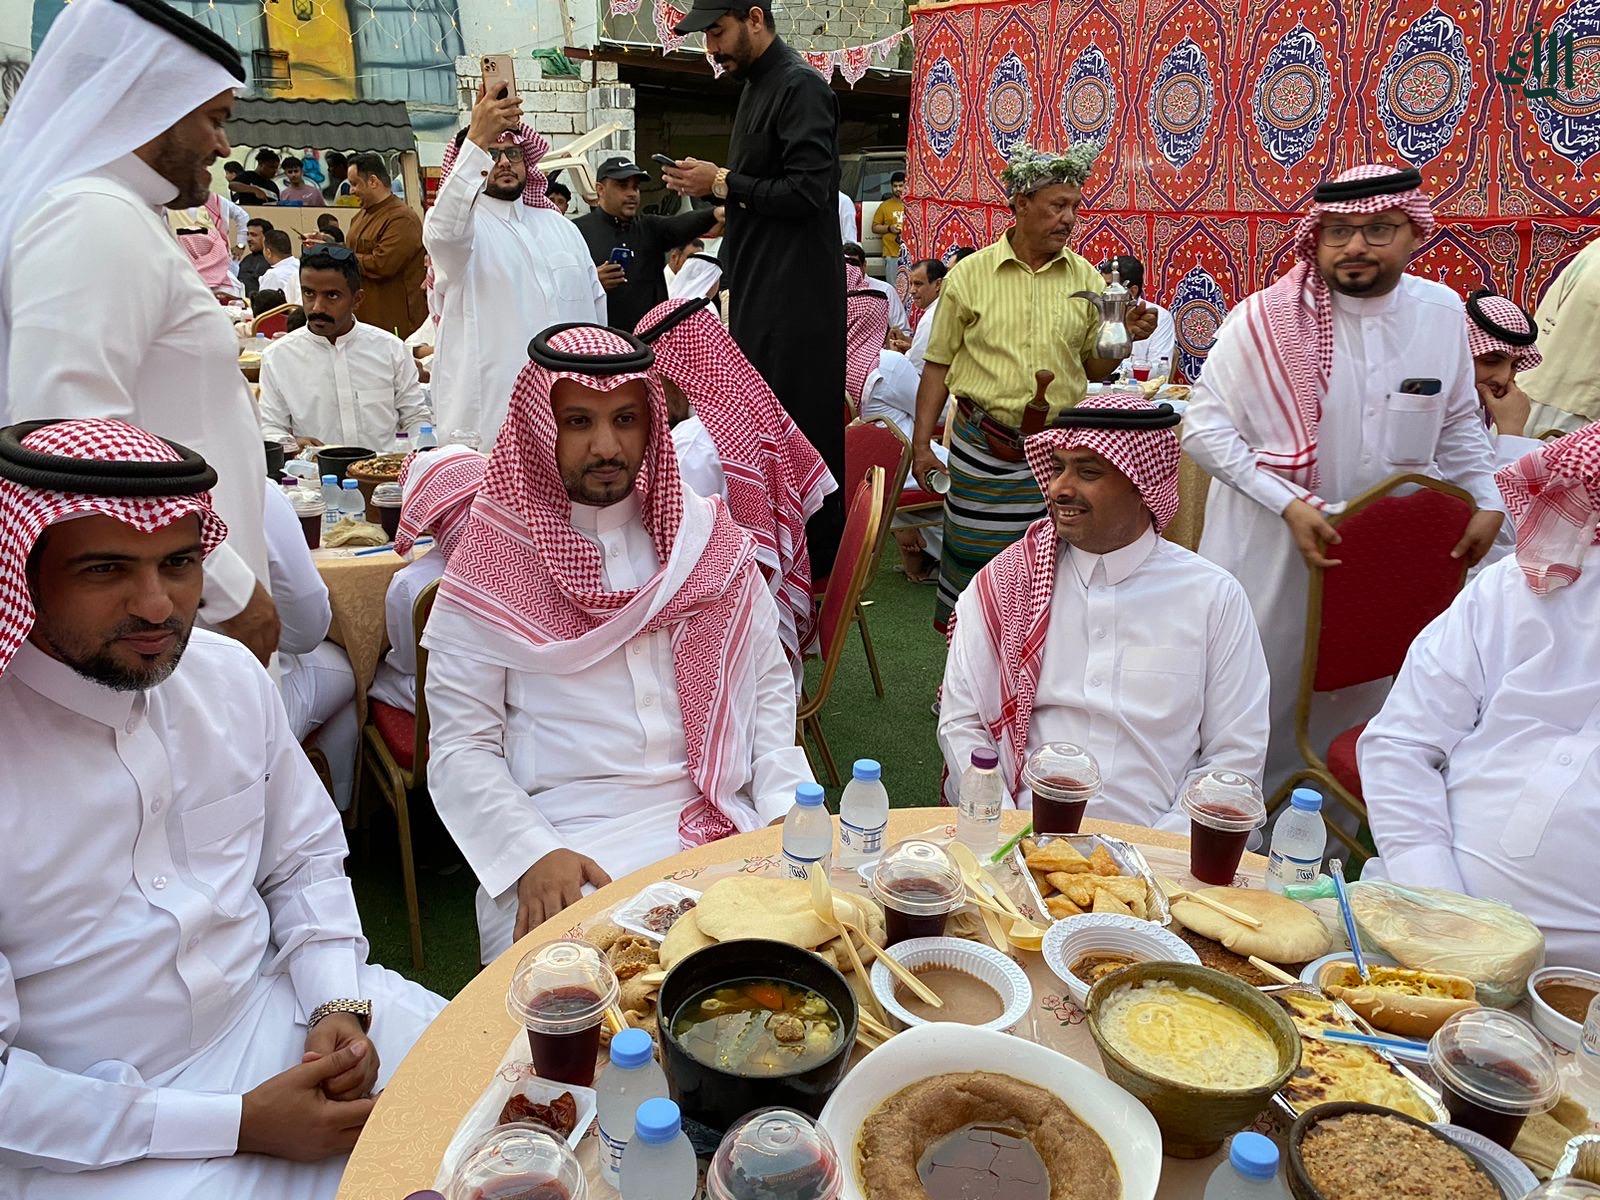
point(156, 350)
point(171, 918)
point(918, 353)
point(1482, 772)
point(354, 391)
point(849, 230)
point(897, 306)
point(509, 272)
point(699, 464)
point(395, 682)
point(522, 764)
point(284, 275)
point(1368, 432)
point(1151, 662)
point(1160, 343)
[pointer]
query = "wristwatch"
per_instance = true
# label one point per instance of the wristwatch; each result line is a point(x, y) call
point(361, 1010)
point(719, 185)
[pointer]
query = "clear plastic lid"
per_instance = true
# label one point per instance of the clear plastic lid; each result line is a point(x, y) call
point(1062, 771)
point(1224, 800)
point(307, 503)
point(1565, 1189)
point(514, 1160)
point(1497, 1061)
point(386, 495)
point(918, 878)
point(561, 987)
point(775, 1154)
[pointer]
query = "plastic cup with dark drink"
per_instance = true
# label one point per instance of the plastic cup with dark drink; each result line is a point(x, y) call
point(919, 887)
point(386, 504)
point(560, 992)
point(1495, 1072)
point(521, 1161)
point(309, 507)
point(1063, 779)
point(1224, 808)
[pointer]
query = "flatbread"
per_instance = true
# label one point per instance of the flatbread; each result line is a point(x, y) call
point(682, 940)
point(753, 906)
point(1290, 932)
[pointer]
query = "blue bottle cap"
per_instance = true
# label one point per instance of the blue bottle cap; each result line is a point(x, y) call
point(867, 770)
point(809, 794)
point(349, 484)
point(327, 479)
point(427, 429)
point(657, 1121)
point(631, 1048)
point(1306, 799)
point(1253, 1156)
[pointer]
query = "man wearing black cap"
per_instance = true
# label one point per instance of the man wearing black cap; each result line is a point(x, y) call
point(630, 249)
point(781, 259)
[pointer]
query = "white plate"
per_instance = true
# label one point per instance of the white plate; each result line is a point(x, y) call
point(1504, 1167)
point(631, 915)
point(1072, 937)
point(1313, 969)
point(1125, 1125)
point(982, 962)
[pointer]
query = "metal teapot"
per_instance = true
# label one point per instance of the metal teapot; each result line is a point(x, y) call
point(1112, 305)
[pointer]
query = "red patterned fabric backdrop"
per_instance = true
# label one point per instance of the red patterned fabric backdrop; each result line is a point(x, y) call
point(1218, 119)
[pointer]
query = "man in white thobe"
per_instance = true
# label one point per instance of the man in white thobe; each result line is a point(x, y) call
point(1159, 345)
point(1149, 658)
point(1501, 338)
point(1345, 372)
point(283, 269)
point(606, 683)
point(337, 381)
point(510, 265)
point(926, 280)
point(186, 1010)
point(1482, 772)
point(79, 207)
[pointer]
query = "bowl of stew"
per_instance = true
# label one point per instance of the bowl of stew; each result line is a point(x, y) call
point(754, 1023)
point(1560, 999)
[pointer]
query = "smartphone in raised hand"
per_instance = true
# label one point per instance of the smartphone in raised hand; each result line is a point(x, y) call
point(499, 76)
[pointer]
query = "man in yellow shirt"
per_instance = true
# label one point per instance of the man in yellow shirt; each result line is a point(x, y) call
point(890, 215)
point(1004, 313)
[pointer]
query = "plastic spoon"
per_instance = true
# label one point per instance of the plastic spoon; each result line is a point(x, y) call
point(1336, 869)
point(979, 880)
point(1176, 891)
point(822, 902)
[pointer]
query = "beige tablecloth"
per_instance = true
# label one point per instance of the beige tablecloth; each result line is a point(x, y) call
point(357, 585)
point(400, 1150)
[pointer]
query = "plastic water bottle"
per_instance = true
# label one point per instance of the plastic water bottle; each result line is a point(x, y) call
point(659, 1163)
point(402, 442)
point(1298, 842)
point(330, 498)
point(426, 439)
point(863, 815)
point(978, 824)
point(633, 1077)
point(807, 833)
point(352, 503)
point(1589, 1047)
point(1250, 1172)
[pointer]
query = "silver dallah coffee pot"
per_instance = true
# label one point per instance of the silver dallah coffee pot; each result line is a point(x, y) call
point(1112, 305)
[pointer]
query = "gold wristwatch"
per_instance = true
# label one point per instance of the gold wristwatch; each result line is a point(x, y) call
point(719, 185)
point(361, 1010)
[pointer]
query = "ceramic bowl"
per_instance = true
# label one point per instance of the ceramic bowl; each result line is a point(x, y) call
point(1300, 1185)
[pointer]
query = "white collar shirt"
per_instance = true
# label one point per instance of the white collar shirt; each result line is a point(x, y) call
point(1151, 662)
point(285, 276)
point(354, 391)
point(1159, 344)
point(918, 354)
point(1481, 774)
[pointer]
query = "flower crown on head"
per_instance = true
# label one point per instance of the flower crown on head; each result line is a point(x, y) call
point(1028, 170)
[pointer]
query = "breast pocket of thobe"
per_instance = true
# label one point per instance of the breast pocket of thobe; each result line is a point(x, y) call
point(222, 845)
point(570, 278)
point(1159, 686)
point(1560, 783)
point(1411, 428)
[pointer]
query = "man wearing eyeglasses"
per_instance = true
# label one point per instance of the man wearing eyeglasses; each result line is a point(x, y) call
point(1344, 372)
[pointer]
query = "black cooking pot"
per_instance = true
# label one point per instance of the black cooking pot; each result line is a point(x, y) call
point(336, 460)
point(717, 1098)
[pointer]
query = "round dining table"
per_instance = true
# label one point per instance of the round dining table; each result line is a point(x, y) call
point(450, 1066)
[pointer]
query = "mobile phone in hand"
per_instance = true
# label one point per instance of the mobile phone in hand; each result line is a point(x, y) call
point(664, 160)
point(499, 76)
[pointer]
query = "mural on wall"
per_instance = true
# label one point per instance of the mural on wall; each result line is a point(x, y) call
point(1219, 118)
point(338, 49)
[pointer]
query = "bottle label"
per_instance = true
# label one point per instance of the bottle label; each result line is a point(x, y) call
point(864, 841)
point(796, 867)
point(611, 1155)
point(1288, 869)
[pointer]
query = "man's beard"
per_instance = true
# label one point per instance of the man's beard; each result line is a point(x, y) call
point(507, 191)
point(180, 167)
point(98, 666)
point(583, 489)
point(1380, 283)
point(742, 58)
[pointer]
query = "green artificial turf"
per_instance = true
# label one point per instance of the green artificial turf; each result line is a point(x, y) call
point(898, 731)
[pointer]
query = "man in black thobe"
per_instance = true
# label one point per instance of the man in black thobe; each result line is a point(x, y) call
point(780, 256)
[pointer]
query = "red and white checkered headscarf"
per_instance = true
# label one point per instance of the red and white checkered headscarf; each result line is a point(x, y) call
point(1553, 497)
point(1015, 589)
point(436, 491)
point(1288, 342)
point(209, 251)
point(776, 479)
point(1507, 315)
point(866, 327)
point(534, 148)
point(25, 512)
point(524, 569)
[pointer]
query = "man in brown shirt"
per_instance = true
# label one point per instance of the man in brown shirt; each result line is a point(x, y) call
point(387, 239)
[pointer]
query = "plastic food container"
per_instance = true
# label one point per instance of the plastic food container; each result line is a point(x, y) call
point(775, 1154)
point(1063, 778)
point(1224, 807)
point(983, 963)
point(1495, 1072)
point(1070, 938)
point(560, 992)
point(919, 887)
point(516, 1160)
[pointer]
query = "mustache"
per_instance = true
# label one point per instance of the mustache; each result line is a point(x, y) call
point(605, 464)
point(138, 628)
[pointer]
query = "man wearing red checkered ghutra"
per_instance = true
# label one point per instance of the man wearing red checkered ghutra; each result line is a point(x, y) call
point(1482, 772)
point(1093, 629)
point(606, 683)
point(1501, 337)
point(1344, 372)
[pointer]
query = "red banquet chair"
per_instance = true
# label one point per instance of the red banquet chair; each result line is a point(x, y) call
point(1395, 576)
point(274, 321)
point(851, 569)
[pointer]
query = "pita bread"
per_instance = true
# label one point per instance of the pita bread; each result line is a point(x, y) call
point(682, 940)
point(1290, 932)
point(754, 906)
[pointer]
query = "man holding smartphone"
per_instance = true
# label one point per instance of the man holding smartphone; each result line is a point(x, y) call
point(629, 249)
point(1343, 373)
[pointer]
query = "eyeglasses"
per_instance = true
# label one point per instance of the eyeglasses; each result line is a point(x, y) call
point(509, 153)
point(1379, 233)
point(336, 254)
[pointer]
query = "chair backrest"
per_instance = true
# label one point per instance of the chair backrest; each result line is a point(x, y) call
point(852, 567)
point(877, 443)
point(421, 608)
point(1395, 575)
point(273, 321)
